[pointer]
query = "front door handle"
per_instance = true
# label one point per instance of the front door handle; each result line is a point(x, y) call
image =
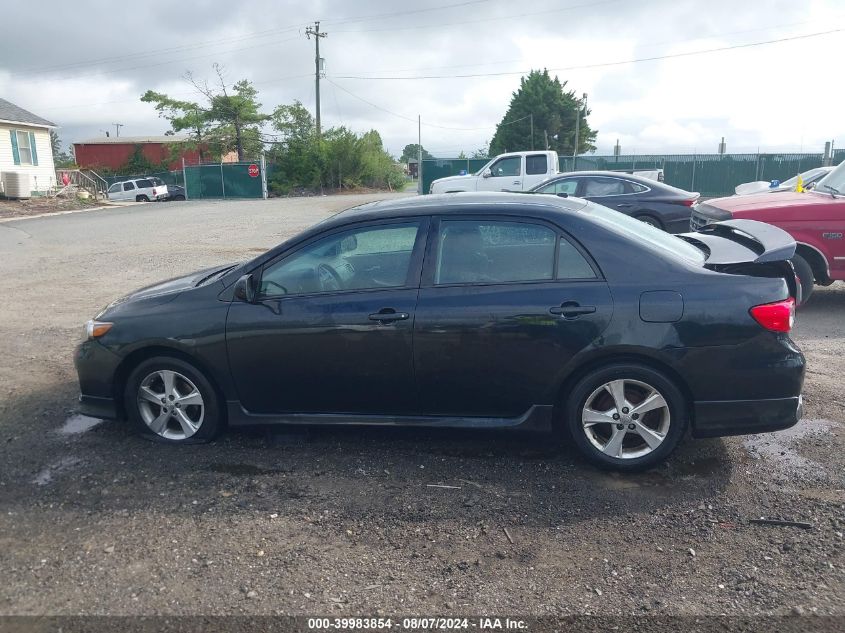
point(387, 315)
point(624, 205)
point(571, 310)
point(517, 182)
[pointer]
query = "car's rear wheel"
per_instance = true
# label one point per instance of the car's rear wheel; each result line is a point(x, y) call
point(805, 277)
point(626, 416)
point(170, 398)
point(650, 220)
point(141, 199)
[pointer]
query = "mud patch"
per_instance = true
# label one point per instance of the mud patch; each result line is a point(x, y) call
point(781, 447)
point(45, 476)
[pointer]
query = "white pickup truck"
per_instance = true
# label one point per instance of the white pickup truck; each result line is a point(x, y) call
point(515, 171)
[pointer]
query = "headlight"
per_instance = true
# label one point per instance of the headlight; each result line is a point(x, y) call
point(96, 329)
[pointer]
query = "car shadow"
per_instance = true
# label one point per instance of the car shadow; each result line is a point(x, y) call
point(52, 456)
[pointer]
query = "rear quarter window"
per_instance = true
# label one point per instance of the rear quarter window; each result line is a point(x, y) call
point(144, 184)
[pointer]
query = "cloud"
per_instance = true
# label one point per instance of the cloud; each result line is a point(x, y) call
point(86, 67)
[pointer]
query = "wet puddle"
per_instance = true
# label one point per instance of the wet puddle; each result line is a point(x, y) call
point(78, 423)
point(781, 446)
point(45, 476)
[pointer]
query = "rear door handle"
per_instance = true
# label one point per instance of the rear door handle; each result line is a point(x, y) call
point(387, 315)
point(517, 182)
point(571, 310)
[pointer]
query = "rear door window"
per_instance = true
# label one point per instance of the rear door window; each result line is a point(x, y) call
point(536, 164)
point(128, 186)
point(598, 186)
point(490, 251)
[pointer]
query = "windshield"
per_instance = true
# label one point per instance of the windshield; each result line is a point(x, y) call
point(644, 233)
point(834, 181)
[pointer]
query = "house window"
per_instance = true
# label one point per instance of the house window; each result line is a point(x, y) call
point(24, 149)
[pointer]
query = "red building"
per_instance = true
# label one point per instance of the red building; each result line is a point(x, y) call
point(114, 152)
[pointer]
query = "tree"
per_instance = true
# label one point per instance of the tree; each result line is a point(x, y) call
point(182, 115)
point(554, 112)
point(231, 120)
point(61, 159)
point(412, 151)
point(481, 152)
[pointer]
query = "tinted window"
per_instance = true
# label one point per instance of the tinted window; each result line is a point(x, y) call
point(537, 164)
point(369, 257)
point(567, 186)
point(637, 187)
point(571, 263)
point(157, 182)
point(128, 186)
point(481, 251)
point(507, 166)
point(594, 186)
point(144, 184)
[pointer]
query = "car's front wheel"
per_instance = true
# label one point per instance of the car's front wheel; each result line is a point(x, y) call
point(171, 399)
point(626, 416)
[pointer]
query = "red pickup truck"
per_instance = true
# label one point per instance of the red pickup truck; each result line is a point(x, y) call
point(815, 219)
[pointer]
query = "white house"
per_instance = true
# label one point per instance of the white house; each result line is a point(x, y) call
point(25, 146)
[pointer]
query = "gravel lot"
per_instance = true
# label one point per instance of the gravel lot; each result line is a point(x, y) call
point(94, 520)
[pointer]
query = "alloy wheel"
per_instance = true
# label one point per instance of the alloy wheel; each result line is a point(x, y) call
point(626, 419)
point(170, 404)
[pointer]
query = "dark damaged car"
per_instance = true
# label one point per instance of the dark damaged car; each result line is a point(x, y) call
point(468, 310)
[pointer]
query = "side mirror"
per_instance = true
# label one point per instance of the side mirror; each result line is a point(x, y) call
point(812, 185)
point(245, 289)
point(486, 173)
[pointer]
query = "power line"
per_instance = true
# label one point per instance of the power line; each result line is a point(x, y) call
point(401, 116)
point(404, 13)
point(605, 64)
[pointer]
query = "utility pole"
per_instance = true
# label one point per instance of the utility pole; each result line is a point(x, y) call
point(419, 156)
point(532, 131)
point(318, 64)
point(577, 129)
point(117, 127)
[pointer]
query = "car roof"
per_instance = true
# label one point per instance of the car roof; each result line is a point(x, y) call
point(461, 203)
point(647, 182)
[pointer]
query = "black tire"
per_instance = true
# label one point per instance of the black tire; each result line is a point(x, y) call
point(141, 199)
point(805, 277)
point(584, 389)
point(212, 421)
point(178, 197)
point(650, 220)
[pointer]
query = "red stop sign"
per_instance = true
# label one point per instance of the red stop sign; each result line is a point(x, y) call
point(253, 170)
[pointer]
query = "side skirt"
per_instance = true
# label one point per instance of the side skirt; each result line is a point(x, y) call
point(538, 417)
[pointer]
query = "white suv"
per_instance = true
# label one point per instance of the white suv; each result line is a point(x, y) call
point(139, 190)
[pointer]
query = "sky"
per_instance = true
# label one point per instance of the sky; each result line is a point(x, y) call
point(455, 63)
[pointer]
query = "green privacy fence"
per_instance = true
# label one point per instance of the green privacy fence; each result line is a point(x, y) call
point(225, 180)
point(440, 168)
point(709, 174)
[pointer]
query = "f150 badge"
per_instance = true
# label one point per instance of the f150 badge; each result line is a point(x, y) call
point(832, 236)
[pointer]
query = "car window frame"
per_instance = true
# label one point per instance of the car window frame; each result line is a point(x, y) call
point(549, 183)
point(542, 155)
point(131, 184)
point(431, 255)
point(519, 159)
point(412, 279)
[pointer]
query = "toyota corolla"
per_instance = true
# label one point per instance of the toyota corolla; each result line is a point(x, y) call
point(468, 310)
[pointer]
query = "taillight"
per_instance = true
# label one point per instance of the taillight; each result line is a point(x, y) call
point(688, 203)
point(776, 317)
point(154, 192)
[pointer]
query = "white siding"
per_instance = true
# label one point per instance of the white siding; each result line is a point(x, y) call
point(43, 176)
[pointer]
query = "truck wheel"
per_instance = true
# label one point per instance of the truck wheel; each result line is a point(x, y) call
point(805, 276)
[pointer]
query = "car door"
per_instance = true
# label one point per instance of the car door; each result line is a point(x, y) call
point(115, 192)
point(505, 304)
point(128, 191)
point(505, 175)
point(331, 328)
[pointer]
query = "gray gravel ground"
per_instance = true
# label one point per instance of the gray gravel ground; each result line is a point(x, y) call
point(94, 520)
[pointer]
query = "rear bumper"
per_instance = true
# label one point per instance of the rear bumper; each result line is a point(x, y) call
point(742, 417)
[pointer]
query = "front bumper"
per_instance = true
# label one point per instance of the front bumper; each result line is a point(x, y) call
point(96, 367)
point(742, 417)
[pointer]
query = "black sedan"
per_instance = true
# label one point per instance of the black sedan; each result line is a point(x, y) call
point(175, 192)
point(652, 202)
point(468, 310)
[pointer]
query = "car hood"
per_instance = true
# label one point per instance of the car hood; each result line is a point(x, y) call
point(764, 200)
point(165, 291)
point(758, 186)
point(452, 179)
